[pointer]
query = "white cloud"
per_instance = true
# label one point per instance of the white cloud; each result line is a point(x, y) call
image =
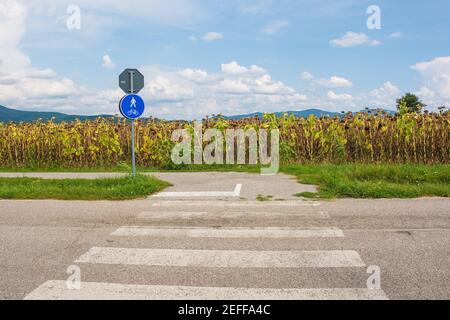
point(194, 75)
point(387, 90)
point(425, 93)
point(305, 75)
point(353, 39)
point(384, 96)
point(265, 85)
point(107, 62)
point(212, 36)
point(275, 26)
point(436, 80)
point(41, 74)
point(396, 35)
point(162, 89)
point(435, 68)
point(236, 69)
point(297, 97)
point(339, 97)
point(12, 30)
point(334, 82)
point(233, 86)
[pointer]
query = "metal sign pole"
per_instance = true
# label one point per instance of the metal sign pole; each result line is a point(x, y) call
point(133, 151)
point(132, 81)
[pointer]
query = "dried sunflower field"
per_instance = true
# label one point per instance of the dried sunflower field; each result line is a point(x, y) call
point(354, 138)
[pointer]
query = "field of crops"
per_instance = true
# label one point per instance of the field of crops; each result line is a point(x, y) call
point(361, 138)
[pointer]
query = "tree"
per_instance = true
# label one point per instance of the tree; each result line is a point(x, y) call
point(411, 102)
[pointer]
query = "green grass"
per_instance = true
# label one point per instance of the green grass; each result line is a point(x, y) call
point(373, 181)
point(126, 168)
point(125, 188)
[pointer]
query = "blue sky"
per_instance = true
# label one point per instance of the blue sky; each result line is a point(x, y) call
point(203, 57)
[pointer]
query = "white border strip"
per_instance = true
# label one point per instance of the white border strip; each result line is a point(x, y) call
point(57, 290)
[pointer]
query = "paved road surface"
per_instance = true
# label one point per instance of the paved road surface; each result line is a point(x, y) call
point(200, 245)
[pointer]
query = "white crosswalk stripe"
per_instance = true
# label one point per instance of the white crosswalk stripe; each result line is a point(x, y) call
point(57, 290)
point(259, 214)
point(236, 232)
point(223, 258)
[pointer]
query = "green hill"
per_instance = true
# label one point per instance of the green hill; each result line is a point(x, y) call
point(12, 115)
point(300, 114)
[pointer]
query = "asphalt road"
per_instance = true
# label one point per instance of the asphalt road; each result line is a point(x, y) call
point(207, 237)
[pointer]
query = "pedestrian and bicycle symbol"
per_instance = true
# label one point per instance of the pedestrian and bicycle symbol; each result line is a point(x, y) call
point(132, 106)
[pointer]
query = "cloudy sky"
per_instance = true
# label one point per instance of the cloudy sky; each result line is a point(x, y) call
point(205, 57)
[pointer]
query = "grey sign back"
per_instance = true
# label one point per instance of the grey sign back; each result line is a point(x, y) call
point(131, 81)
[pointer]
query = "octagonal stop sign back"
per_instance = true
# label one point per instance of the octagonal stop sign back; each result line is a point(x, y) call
point(131, 81)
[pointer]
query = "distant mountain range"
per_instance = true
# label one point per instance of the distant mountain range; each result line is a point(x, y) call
point(300, 114)
point(12, 115)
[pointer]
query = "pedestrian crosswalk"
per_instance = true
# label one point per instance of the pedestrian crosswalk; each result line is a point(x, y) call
point(195, 257)
point(235, 232)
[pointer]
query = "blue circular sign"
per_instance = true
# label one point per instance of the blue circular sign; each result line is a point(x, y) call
point(132, 106)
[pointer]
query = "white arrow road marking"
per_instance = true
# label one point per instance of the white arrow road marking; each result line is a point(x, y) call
point(237, 190)
point(57, 290)
point(189, 232)
point(198, 194)
point(222, 258)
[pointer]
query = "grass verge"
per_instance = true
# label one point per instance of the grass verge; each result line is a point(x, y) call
point(373, 181)
point(125, 188)
point(127, 168)
point(334, 181)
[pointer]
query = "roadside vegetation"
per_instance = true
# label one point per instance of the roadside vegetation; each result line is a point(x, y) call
point(373, 181)
point(125, 188)
point(367, 137)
